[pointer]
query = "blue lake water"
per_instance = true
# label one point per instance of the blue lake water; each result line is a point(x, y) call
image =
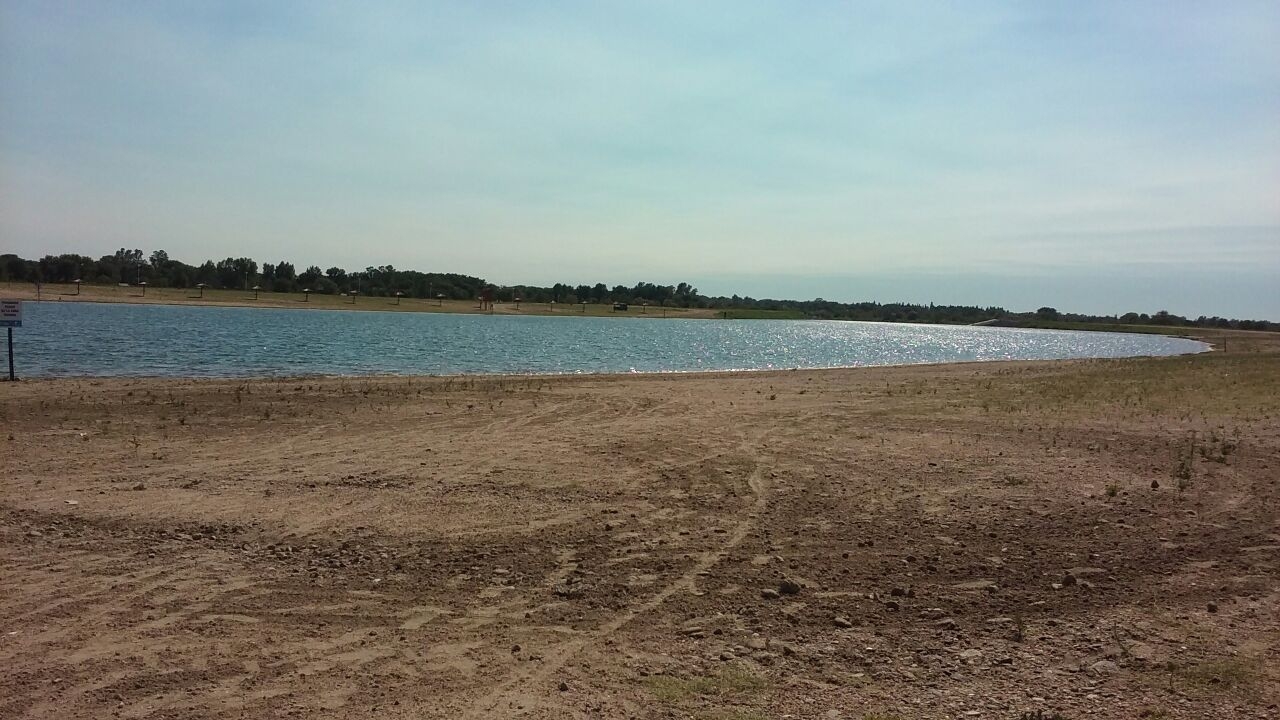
point(87, 339)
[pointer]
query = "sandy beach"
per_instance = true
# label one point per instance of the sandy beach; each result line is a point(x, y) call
point(1089, 538)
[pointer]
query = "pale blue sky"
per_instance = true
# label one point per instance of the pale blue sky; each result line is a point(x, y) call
point(1098, 157)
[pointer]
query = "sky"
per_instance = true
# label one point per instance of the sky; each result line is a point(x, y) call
point(1097, 157)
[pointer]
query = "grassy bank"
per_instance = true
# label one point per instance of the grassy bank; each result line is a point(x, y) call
point(315, 301)
point(1222, 339)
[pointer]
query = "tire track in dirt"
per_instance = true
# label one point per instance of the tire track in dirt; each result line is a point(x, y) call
point(501, 700)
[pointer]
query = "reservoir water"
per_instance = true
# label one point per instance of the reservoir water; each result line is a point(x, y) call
point(89, 339)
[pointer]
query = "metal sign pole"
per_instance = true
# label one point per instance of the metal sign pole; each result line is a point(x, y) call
point(10, 318)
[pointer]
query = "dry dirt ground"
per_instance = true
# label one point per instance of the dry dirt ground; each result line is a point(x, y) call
point(1083, 539)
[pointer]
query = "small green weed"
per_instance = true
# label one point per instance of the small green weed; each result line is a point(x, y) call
point(1040, 715)
point(1232, 674)
point(1186, 464)
point(729, 682)
point(732, 714)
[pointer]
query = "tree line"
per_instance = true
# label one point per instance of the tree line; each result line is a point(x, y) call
point(159, 270)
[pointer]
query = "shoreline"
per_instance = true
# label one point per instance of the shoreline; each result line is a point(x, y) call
point(111, 295)
point(660, 374)
point(363, 309)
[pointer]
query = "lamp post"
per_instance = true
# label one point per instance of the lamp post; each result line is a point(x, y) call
point(144, 288)
point(306, 294)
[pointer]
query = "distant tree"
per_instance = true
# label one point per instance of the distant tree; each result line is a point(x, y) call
point(207, 273)
point(1164, 317)
point(268, 277)
point(685, 295)
point(12, 267)
point(286, 277)
point(65, 268)
point(159, 260)
point(160, 270)
point(238, 273)
point(128, 265)
point(1047, 313)
point(309, 277)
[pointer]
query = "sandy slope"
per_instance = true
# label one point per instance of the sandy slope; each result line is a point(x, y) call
point(614, 547)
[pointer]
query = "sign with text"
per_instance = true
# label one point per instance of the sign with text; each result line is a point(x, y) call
point(10, 313)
